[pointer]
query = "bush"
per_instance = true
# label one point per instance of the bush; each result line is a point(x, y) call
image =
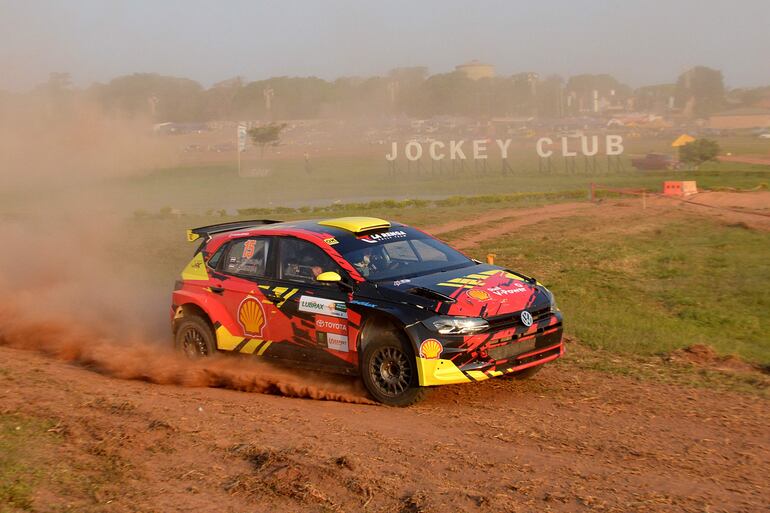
point(699, 151)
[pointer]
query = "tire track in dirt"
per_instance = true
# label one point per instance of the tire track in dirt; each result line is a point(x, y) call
point(496, 215)
point(507, 221)
point(500, 222)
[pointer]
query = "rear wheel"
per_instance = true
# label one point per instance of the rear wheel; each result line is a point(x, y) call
point(194, 338)
point(389, 372)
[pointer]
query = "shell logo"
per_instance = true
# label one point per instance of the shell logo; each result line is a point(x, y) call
point(430, 349)
point(478, 295)
point(251, 317)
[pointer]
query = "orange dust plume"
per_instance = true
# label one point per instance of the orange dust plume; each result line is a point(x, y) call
point(145, 362)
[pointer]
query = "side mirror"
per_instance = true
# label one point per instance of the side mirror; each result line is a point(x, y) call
point(329, 277)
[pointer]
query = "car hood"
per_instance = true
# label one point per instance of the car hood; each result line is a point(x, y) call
point(477, 291)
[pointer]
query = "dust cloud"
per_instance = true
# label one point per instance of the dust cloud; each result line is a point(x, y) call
point(68, 287)
point(137, 360)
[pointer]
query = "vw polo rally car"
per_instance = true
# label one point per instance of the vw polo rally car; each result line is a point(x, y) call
point(362, 296)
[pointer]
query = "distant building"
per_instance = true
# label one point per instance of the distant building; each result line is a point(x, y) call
point(740, 118)
point(476, 69)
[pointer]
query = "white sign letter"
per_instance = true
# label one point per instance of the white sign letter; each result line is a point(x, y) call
point(503, 147)
point(432, 150)
point(393, 153)
point(455, 149)
point(479, 146)
point(417, 147)
point(540, 142)
point(584, 145)
point(565, 151)
point(614, 145)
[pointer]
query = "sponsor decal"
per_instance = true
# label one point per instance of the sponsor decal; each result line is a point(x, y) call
point(331, 241)
point(248, 248)
point(323, 306)
point(382, 237)
point(337, 342)
point(526, 318)
point(499, 291)
point(430, 349)
point(251, 317)
point(398, 283)
point(478, 295)
point(331, 325)
point(363, 303)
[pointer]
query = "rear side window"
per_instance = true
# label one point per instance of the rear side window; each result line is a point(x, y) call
point(216, 257)
point(247, 257)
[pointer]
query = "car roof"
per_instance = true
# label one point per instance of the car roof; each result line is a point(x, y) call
point(339, 227)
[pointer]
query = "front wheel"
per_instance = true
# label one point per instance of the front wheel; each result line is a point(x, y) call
point(194, 338)
point(389, 372)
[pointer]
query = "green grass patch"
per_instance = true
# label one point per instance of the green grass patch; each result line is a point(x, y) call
point(22, 464)
point(655, 289)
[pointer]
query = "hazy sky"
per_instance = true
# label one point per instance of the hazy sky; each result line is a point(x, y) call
point(640, 42)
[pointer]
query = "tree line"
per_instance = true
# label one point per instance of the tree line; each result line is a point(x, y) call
point(698, 92)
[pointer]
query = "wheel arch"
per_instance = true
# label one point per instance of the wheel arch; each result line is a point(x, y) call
point(189, 309)
point(379, 322)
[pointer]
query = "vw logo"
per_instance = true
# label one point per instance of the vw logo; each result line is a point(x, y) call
point(526, 318)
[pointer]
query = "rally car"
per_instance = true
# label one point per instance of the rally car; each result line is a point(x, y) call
point(362, 296)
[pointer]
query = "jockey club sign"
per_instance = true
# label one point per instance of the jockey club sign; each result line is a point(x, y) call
point(479, 149)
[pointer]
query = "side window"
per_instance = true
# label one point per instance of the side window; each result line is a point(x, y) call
point(214, 260)
point(302, 261)
point(247, 257)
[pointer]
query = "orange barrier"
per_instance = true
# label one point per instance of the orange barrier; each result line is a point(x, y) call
point(681, 191)
point(679, 188)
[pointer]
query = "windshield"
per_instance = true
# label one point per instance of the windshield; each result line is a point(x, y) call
point(400, 253)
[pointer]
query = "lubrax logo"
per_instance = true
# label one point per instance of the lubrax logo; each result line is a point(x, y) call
point(323, 306)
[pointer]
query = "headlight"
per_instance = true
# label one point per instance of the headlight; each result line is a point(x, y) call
point(552, 299)
point(456, 325)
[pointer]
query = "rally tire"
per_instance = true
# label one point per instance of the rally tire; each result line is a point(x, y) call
point(194, 338)
point(526, 373)
point(389, 372)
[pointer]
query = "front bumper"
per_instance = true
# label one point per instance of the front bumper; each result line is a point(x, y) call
point(488, 355)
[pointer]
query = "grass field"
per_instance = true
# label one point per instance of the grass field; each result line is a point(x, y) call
point(196, 189)
point(649, 288)
point(200, 189)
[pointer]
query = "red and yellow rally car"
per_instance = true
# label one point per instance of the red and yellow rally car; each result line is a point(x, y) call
point(364, 296)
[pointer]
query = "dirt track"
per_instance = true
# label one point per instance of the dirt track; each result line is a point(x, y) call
point(569, 440)
point(752, 209)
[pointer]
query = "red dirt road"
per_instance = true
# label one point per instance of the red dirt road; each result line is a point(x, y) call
point(568, 440)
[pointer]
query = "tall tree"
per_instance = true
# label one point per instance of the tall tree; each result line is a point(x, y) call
point(700, 91)
point(267, 134)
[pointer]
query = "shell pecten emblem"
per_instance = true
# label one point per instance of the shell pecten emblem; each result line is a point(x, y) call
point(251, 317)
point(478, 294)
point(430, 349)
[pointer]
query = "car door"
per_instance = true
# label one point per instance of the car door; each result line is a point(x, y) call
point(242, 281)
point(316, 312)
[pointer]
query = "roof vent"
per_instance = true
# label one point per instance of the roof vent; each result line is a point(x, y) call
point(357, 224)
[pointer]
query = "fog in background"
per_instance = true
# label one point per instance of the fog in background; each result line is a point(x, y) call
point(639, 42)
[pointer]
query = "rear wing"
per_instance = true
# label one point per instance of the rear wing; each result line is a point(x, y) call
point(207, 231)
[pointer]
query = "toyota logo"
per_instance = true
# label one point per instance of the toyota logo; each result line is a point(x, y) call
point(526, 318)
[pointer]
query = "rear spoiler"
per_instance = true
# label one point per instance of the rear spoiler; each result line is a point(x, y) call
point(207, 231)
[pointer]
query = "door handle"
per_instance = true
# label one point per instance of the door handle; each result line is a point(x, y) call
point(217, 290)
